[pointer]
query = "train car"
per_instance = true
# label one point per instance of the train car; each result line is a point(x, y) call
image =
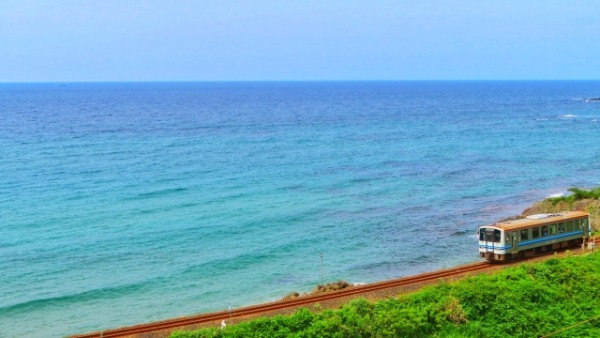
point(534, 234)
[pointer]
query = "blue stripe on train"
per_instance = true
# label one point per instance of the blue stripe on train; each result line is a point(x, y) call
point(549, 238)
point(496, 247)
point(534, 241)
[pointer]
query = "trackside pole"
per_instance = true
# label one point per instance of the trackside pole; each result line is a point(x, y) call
point(321, 268)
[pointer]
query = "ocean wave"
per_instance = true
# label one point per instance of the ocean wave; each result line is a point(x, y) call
point(422, 259)
point(169, 208)
point(460, 233)
point(567, 116)
point(376, 266)
point(59, 302)
point(248, 259)
point(157, 193)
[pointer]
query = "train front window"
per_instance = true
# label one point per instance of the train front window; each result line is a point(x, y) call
point(482, 234)
point(492, 235)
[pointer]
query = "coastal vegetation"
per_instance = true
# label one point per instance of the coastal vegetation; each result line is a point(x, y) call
point(577, 194)
point(556, 298)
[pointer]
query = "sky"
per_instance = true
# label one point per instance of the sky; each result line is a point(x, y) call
point(288, 40)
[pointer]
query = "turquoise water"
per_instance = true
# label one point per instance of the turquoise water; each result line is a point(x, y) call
point(126, 203)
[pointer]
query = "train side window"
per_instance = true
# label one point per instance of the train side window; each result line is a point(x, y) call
point(561, 228)
point(535, 232)
point(552, 229)
point(570, 225)
point(544, 230)
point(524, 234)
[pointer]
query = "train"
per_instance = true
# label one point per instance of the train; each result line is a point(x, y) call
point(532, 235)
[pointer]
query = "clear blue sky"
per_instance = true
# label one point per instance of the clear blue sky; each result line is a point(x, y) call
point(184, 40)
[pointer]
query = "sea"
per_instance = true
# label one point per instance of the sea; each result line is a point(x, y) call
point(126, 203)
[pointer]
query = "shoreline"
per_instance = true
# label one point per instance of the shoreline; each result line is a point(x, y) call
point(333, 303)
point(538, 207)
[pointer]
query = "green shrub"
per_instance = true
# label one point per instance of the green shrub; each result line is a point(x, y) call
point(577, 194)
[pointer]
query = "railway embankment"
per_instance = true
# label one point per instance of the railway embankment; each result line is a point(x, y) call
point(551, 298)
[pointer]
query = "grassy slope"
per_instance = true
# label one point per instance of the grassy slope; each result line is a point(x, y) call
point(526, 301)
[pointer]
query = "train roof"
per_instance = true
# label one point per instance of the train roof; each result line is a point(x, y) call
point(540, 219)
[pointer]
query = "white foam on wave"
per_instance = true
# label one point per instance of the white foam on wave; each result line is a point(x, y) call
point(567, 116)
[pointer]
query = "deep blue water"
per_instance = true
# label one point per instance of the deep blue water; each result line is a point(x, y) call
point(126, 203)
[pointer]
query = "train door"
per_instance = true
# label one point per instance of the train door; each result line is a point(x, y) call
point(514, 243)
point(586, 227)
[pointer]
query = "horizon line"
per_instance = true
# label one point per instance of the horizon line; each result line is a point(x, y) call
point(290, 81)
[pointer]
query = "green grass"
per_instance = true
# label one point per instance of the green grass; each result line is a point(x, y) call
point(531, 300)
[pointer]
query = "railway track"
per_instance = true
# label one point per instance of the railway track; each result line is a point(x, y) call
point(294, 303)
